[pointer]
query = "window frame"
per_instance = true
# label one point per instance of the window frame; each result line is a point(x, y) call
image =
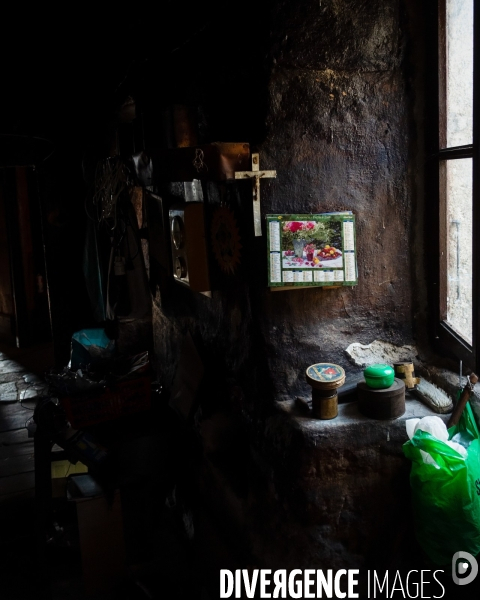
point(446, 341)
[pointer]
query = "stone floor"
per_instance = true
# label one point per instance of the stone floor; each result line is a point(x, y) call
point(21, 384)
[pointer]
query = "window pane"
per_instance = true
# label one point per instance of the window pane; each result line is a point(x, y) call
point(459, 246)
point(459, 83)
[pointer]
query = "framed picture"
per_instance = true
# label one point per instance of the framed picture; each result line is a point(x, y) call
point(311, 250)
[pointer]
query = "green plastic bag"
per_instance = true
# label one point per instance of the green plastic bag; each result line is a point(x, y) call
point(446, 496)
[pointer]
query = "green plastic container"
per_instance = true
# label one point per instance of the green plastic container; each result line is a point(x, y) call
point(379, 377)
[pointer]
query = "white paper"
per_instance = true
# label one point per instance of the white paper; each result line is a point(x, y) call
point(348, 236)
point(274, 236)
point(275, 268)
point(350, 271)
point(298, 276)
point(328, 275)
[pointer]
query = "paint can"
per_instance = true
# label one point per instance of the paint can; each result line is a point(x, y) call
point(325, 379)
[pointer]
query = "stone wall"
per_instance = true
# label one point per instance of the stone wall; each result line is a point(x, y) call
point(329, 106)
point(313, 494)
point(323, 90)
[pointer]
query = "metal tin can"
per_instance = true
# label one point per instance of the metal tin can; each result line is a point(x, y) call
point(325, 379)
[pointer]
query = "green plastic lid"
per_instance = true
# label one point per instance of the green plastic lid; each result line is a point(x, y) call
point(378, 370)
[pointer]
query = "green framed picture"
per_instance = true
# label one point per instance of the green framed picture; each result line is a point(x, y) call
point(311, 250)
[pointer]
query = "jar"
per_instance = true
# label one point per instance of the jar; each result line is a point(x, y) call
point(325, 379)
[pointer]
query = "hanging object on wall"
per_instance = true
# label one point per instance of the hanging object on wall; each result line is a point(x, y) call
point(143, 168)
point(158, 234)
point(189, 251)
point(255, 175)
point(225, 238)
point(311, 250)
point(114, 265)
point(111, 179)
point(193, 191)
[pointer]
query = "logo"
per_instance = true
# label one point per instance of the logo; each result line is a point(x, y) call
point(462, 562)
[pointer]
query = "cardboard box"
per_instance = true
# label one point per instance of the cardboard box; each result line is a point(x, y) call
point(102, 544)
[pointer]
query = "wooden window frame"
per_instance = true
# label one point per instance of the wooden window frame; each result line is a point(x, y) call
point(446, 341)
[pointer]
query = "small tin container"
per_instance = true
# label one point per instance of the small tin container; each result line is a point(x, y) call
point(325, 379)
point(379, 376)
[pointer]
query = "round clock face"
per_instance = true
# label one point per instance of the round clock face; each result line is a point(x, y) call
point(325, 372)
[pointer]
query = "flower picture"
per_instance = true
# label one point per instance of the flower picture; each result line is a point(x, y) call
point(312, 244)
point(299, 230)
point(319, 233)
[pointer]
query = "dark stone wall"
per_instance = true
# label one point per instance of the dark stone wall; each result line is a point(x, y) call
point(312, 494)
point(329, 93)
point(322, 89)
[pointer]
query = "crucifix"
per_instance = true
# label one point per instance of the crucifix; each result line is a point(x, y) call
point(255, 174)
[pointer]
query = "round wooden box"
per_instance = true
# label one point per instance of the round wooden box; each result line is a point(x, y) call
point(388, 403)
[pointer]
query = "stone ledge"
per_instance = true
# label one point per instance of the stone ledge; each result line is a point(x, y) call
point(348, 414)
point(339, 484)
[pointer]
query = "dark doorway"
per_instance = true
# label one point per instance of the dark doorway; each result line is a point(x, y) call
point(24, 307)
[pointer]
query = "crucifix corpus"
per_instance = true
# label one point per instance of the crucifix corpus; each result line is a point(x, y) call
point(255, 174)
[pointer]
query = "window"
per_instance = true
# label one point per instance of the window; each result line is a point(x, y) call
point(454, 180)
